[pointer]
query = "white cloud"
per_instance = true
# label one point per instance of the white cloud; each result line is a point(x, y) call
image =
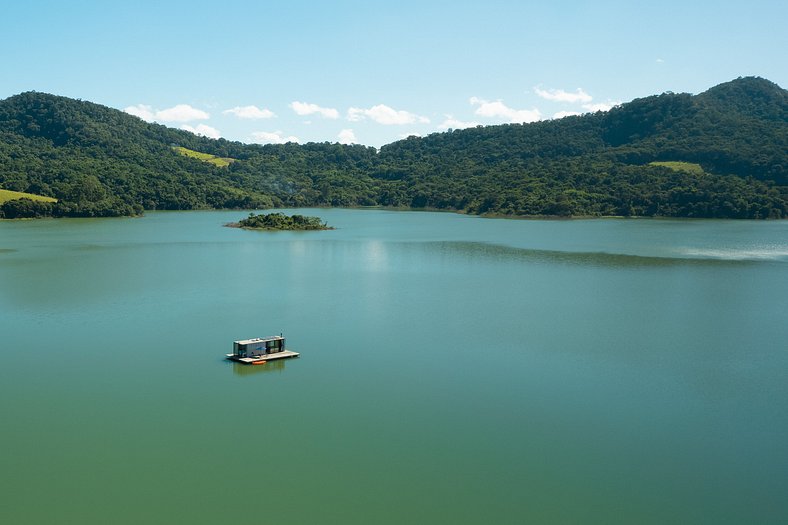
point(453, 123)
point(142, 111)
point(178, 113)
point(272, 137)
point(346, 136)
point(660, 61)
point(181, 113)
point(497, 109)
point(562, 114)
point(383, 114)
point(203, 129)
point(559, 95)
point(305, 108)
point(601, 106)
point(249, 112)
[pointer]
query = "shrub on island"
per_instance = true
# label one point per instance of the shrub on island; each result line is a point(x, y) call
point(280, 221)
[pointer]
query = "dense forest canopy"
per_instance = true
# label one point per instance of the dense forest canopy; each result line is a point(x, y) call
point(98, 161)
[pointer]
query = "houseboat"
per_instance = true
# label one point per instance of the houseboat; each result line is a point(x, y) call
point(259, 350)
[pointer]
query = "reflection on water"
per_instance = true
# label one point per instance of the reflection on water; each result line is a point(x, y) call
point(376, 258)
point(90, 247)
point(769, 252)
point(249, 370)
point(497, 251)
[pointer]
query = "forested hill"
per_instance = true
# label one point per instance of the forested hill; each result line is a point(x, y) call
point(722, 153)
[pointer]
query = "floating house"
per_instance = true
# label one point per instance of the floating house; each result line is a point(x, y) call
point(259, 350)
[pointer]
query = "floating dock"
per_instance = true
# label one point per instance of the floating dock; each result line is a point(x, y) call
point(259, 350)
point(263, 358)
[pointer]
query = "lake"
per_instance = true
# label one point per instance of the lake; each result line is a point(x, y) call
point(453, 369)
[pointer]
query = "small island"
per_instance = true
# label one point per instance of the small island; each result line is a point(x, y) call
point(280, 221)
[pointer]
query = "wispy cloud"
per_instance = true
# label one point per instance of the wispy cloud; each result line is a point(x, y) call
point(306, 108)
point(249, 112)
point(203, 129)
point(453, 123)
point(272, 137)
point(346, 136)
point(497, 109)
point(660, 61)
point(559, 95)
point(383, 114)
point(178, 113)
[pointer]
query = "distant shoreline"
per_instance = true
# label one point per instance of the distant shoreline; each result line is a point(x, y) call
point(406, 209)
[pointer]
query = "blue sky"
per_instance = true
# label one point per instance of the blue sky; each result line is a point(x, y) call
point(373, 72)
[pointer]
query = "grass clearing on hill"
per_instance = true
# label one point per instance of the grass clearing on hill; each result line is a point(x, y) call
point(8, 195)
point(686, 167)
point(205, 157)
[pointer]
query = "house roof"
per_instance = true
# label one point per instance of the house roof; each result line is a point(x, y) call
point(260, 340)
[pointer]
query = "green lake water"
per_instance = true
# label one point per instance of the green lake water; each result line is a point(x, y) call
point(453, 369)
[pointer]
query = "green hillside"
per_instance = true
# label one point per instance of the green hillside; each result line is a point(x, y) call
point(722, 153)
point(99, 161)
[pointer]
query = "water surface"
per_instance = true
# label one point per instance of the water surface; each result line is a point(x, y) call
point(454, 370)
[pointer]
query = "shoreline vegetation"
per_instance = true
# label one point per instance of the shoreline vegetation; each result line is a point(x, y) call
point(488, 215)
point(279, 221)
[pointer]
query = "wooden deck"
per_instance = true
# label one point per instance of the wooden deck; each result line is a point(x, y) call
point(268, 357)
